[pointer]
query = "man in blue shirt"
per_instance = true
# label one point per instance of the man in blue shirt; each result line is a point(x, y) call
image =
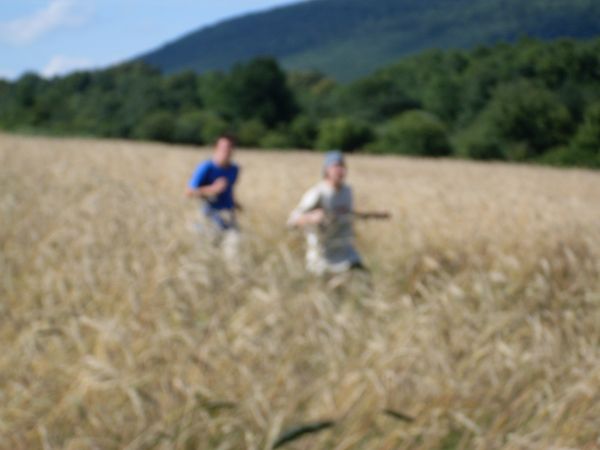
point(213, 183)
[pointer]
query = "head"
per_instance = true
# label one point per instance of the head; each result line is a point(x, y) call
point(334, 168)
point(223, 151)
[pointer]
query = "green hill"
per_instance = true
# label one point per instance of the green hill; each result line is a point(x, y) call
point(350, 38)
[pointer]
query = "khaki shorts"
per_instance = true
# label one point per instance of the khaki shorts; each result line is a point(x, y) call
point(220, 240)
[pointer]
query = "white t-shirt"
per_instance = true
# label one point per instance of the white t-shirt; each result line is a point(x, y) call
point(331, 244)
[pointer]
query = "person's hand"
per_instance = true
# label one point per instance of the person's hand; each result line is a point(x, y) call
point(315, 217)
point(374, 215)
point(219, 186)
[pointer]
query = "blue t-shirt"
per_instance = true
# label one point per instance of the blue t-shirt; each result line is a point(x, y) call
point(207, 173)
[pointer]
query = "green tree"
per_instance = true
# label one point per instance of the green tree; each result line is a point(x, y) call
point(584, 149)
point(251, 132)
point(477, 143)
point(257, 90)
point(212, 125)
point(376, 98)
point(188, 128)
point(442, 97)
point(181, 91)
point(414, 133)
point(157, 126)
point(276, 139)
point(587, 137)
point(303, 132)
point(343, 133)
point(525, 113)
point(27, 88)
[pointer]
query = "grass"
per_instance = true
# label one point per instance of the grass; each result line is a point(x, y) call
point(118, 332)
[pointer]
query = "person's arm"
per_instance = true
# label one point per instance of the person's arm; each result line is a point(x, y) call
point(198, 187)
point(374, 215)
point(314, 217)
point(217, 187)
point(366, 215)
point(307, 212)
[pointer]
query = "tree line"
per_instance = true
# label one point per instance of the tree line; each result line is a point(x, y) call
point(528, 101)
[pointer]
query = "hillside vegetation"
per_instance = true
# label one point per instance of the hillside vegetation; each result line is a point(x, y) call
point(531, 101)
point(347, 39)
point(119, 331)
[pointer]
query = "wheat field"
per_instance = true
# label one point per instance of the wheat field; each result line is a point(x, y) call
point(120, 330)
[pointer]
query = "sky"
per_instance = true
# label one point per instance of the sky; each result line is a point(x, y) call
point(55, 37)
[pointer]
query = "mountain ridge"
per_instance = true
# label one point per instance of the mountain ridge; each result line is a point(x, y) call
point(347, 39)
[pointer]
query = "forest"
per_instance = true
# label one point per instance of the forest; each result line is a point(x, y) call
point(530, 101)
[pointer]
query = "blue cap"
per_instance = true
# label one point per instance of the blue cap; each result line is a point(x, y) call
point(333, 158)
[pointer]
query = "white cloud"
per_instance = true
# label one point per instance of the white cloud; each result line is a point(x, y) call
point(61, 65)
point(57, 14)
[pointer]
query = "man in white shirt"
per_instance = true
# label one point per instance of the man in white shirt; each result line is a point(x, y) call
point(326, 213)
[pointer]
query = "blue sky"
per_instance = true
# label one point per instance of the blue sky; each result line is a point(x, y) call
point(53, 37)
